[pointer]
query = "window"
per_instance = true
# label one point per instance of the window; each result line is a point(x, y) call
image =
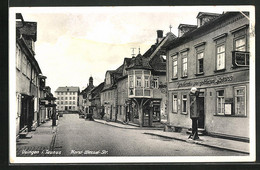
point(66, 98)
point(61, 102)
point(29, 70)
point(156, 83)
point(73, 98)
point(200, 57)
point(61, 98)
point(174, 69)
point(184, 64)
point(146, 81)
point(220, 102)
point(240, 101)
point(70, 98)
point(66, 102)
point(221, 57)
point(138, 81)
point(24, 65)
point(18, 57)
point(58, 98)
point(184, 104)
point(131, 82)
point(69, 102)
point(174, 103)
point(240, 44)
point(57, 102)
point(174, 66)
point(73, 102)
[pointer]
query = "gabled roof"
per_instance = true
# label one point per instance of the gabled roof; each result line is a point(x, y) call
point(139, 62)
point(95, 92)
point(66, 88)
point(201, 14)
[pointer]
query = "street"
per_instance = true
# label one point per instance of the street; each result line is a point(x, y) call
point(79, 137)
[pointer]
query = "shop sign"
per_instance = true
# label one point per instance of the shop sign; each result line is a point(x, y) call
point(206, 81)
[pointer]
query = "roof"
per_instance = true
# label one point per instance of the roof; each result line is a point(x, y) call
point(28, 29)
point(139, 62)
point(202, 30)
point(201, 14)
point(187, 25)
point(66, 88)
point(96, 91)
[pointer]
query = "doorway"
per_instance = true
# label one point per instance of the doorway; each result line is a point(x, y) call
point(146, 116)
point(201, 120)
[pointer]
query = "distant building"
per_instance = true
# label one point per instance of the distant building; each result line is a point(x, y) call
point(94, 98)
point(67, 98)
point(214, 58)
point(83, 97)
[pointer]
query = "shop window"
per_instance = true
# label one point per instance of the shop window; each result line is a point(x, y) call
point(174, 103)
point(240, 101)
point(184, 64)
point(220, 102)
point(200, 62)
point(184, 104)
point(221, 57)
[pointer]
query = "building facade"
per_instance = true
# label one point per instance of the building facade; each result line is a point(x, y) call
point(214, 58)
point(27, 76)
point(109, 94)
point(67, 98)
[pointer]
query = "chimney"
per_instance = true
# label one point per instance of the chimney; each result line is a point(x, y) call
point(159, 36)
point(183, 28)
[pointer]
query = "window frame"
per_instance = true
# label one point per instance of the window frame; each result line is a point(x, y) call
point(224, 60)
point(182, 100)
point(173, 101)
point(198, 72)
point(245, 101)
point(223, 101)
point(175, 59)
point(182, 64)
point(239, 38)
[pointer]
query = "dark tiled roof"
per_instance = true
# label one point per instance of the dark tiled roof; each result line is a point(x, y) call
point(139, 62)
point(70, 89)
point(96, 91)
point(29, 29)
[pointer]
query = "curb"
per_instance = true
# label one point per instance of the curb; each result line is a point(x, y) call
point(199, 143)
point(115, 125)
point(136, 128)
point(53, 139)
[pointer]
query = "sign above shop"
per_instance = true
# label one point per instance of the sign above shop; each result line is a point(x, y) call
point(206, 81)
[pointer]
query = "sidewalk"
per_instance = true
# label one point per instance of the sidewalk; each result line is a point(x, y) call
point(219, 143)
point(37, 142)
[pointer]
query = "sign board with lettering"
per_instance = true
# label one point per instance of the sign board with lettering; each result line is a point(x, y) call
point(228, 108)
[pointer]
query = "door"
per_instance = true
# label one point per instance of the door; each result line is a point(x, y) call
point(23, 117)
point(146, 116)
point(66, 107)
point(156, 113)
point(201, 120)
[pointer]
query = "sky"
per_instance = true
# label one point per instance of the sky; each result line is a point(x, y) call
point(76, 43)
